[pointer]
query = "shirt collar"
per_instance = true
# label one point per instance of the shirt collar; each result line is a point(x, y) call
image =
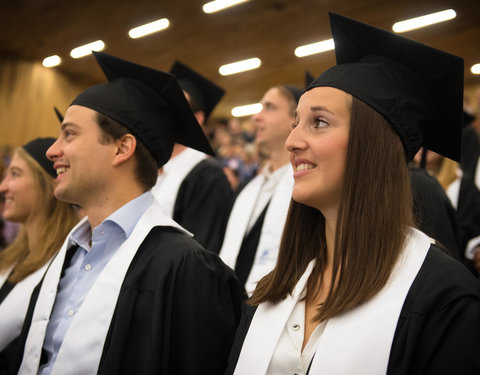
point(277, 174)
point(126, 217)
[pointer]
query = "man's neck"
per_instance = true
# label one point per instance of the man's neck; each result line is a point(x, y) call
point(277, 159)
point(99, 209)
point(177, 149)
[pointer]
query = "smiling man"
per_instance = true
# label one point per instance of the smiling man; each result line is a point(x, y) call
point(130, 292)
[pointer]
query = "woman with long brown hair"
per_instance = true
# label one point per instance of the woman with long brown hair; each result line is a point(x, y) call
point(356, 289)
point(28, 192)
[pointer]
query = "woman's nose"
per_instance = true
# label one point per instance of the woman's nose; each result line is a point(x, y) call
point(295, 140)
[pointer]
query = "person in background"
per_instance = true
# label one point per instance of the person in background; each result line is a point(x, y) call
point(3, 242)
point(357, 289)
point(29, 200)
point(191, 187)
point(256, 222)
point(130, 292)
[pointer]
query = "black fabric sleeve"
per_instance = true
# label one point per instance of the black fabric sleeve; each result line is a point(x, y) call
point(203, 204)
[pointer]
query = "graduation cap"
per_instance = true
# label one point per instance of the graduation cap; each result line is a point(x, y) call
point(149, 103)
point(59, 115)
point(417, 88)
point(37, 149)
point(204, 92)
point(309, 78)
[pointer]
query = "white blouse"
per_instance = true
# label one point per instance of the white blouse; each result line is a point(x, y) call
point(288, 357)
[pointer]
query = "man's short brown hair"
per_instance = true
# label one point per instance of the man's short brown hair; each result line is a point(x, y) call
point(147, 169)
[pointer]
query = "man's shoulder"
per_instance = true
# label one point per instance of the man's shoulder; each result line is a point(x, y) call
point(208, 165)
point(163, 248)
point(166, 251)
point(207, 173)
point(167, 237)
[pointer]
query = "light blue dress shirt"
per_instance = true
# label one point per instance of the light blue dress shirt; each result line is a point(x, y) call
point(86, 265)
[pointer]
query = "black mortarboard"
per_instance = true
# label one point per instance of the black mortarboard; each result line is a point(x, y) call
point(417, 88)
point(204, 92)
point(149, 103)
point(59, 115)
point(295, 91)
point(309, 78)
point(37, 150)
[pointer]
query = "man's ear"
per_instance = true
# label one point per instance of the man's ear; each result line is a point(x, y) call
point(125, 148)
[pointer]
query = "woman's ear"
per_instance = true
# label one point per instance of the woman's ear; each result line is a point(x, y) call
point(125, 148)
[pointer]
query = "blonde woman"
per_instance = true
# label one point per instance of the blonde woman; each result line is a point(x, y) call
point(28, 193)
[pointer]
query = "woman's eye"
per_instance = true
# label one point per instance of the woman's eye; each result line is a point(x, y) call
point(320, 123)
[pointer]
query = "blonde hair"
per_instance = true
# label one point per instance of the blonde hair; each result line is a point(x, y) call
point(57, 219)
point(447, 173)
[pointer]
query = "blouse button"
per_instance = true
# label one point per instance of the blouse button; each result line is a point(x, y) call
point(70, 313)
point(296, 327)
point(88, 267)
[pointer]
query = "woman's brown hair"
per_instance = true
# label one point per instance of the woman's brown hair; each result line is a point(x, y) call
point(375, 210)
point(58, 218)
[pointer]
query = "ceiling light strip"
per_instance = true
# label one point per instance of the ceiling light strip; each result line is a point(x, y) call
point(311, 49)
point(422, 21)
point(215, 6)
point(51, 61)
point(149, 28)
point(246, 110)
point(87, 49)
point(240, 66)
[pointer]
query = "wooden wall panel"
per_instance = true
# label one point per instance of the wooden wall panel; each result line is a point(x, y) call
point(28, 93)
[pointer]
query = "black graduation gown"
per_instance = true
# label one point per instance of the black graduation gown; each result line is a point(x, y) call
point(438, 331)
point(6, 356)
point(203, 204)
point(470, 150)
point(434, 213)
point(468, 213)
point(248, 249)
point(176, 313)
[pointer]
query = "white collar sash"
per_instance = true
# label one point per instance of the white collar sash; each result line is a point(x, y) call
point(4, 275)
point(349, 341)
point(88, 330)
point(272, 228)
point(174, 172)
point(15, 305)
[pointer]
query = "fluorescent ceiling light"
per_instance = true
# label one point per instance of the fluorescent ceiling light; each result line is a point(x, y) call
point(215, 6)
point(87, 49)
point(240, 66)
point(246, 110)
point(51, 61)
point(475, 69)
point(429, 19)
point(310, 49)
point(149, 28)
